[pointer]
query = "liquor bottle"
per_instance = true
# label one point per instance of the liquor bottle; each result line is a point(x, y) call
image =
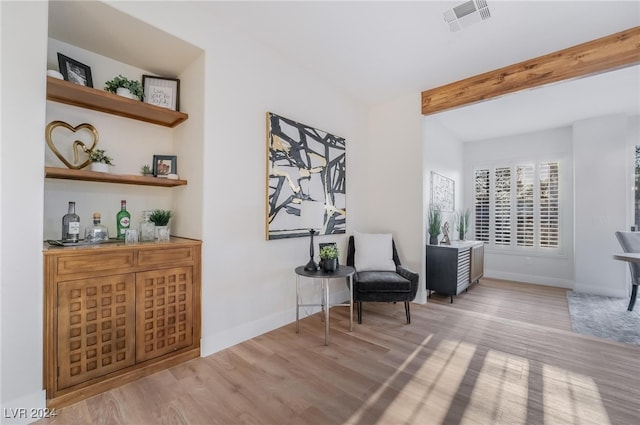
point(71, 225)
point(97, 232)
point(123, 220)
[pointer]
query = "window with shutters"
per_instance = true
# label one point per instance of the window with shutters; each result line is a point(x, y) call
point(518, 206)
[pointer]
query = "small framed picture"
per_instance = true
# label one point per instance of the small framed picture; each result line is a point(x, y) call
point(74, 71)
point(163, 165)
point(160, 91)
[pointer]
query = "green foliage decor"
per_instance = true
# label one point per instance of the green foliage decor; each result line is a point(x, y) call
point(99, 155)
point(134, 86)
point(160, 217)
point(329, 252)
point(462, 220)
point(435, 221)
point(146, 170)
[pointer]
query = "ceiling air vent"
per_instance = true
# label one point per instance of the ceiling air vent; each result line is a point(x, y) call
point(465, 14)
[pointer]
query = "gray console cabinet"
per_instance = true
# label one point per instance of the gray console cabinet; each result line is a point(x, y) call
point(452, 268)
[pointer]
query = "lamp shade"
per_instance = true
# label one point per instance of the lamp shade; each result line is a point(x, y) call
point(311, 215)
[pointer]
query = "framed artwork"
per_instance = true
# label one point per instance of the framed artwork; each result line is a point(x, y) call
point(161, 91)
point(163, 165)
point(443, 192)
point(74, 71)
point(306, 189)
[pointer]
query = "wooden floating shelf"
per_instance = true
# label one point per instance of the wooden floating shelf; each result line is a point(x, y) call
point(99, 100)
point(93, 176)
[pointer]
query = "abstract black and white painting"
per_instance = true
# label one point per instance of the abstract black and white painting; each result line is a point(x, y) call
point(305, 180)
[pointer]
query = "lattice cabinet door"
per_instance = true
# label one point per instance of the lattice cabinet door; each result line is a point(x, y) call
point(164, 311)
point(96, 327)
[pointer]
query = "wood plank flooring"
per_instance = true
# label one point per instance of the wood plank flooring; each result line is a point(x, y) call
point(502, 353)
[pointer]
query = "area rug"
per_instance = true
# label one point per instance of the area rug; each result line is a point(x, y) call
point(604, 317)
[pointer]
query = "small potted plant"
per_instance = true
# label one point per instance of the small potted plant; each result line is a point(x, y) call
point(435, 224)
point(161, 220)
point(146, 170)
point(329, 256)
point(122, 86)
point(100, 161)
point(462, 220)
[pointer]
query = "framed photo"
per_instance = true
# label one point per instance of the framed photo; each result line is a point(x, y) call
point(160, 91)
point(74, 71)
point(163, 165)
point(443, 192)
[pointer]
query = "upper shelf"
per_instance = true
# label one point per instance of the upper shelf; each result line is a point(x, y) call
point(93, 176)
point(99, 100)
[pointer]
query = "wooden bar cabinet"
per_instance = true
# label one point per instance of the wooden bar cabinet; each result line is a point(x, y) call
point(114, 313)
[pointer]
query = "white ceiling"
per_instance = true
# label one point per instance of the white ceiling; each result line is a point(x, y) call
point(377, 51)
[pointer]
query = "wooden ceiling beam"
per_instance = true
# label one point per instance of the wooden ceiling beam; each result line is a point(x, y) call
point(604, 54)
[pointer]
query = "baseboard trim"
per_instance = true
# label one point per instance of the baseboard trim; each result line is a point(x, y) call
point(533, 279)
point(213, 343)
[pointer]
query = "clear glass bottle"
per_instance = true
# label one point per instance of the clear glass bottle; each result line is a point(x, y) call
point(71, 225)
point(147, 228)
point(96, 232)
point(123, 220)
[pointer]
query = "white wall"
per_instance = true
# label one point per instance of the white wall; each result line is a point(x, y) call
point(393, 195)
point(23, 34)
point(601, 193)
point(443, 154)
point(523, 266)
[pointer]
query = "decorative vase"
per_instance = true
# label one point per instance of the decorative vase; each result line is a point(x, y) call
point(330, 265)
point(461, 235)
point(121, 91)
point(162, 233)
point(433, 240)
point(147, 228)
point(100, 167)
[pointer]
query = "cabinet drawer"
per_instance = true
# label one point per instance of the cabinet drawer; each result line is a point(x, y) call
point(94, 262)
point(164, 255)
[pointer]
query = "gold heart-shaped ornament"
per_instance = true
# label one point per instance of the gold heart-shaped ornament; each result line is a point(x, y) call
point(77, 144)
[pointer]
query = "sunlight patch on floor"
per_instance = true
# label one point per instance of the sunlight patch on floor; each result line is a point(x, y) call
point(500, 392)
point(570, 398)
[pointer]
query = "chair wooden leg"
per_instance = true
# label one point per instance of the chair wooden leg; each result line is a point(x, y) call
point(632, 301)
point(407, 311)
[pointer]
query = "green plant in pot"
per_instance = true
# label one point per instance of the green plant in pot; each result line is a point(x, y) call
point(100, 161)
point(125, 87)
point(161, 220)
point(462, 223)
point(329, 256)
point(435, 224)
point(146, 170)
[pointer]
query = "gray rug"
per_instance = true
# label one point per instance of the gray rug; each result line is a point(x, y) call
point(604, 317)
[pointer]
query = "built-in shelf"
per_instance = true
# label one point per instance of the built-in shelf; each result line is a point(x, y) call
point(93, 176)
point(99, 100)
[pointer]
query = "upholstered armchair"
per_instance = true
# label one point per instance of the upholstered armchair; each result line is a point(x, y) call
point(379, 276)
point(630, 242)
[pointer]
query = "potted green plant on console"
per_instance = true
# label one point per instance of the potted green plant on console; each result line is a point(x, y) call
point(462, 220)
point(124, 87)
point(435, 224)
point(329, 256)
point(161, 220)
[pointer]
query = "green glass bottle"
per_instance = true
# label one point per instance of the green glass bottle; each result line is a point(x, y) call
point(123, 220)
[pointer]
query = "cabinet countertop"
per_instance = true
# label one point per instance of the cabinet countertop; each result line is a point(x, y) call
point(460, 244)
point(120, 244)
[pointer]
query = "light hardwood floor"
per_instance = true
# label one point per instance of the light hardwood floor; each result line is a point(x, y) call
point(502, 353)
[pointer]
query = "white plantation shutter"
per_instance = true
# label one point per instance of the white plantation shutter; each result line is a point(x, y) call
point(518, 206)
point(502, 206)
point(482, 204)
point(524, 205)
point(549, 173)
